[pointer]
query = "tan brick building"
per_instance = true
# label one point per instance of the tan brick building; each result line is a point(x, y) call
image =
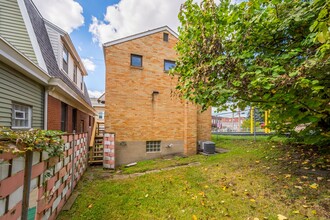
point(148, 121)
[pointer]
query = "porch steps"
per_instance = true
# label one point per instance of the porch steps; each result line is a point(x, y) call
point(96, 145)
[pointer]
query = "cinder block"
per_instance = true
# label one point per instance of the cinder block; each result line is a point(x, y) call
point(67, 146)
point(18, 165)
point(58, 166)
point(4, 170)
point(36, 158)
point(15, 197)
point(45, 155)
point(56, 202)
point(66, 160)
point(34, 183)
point(2, 206)
point(47, 215)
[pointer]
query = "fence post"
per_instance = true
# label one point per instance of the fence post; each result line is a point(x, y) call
point(27, 183)
point(73, 143)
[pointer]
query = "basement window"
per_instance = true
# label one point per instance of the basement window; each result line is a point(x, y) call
point(153, 146)
point(136, 60)
point(21, 116)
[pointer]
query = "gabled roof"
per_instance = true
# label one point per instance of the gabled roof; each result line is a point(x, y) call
point(67, 40)
point(38, 24)
point(139, 35)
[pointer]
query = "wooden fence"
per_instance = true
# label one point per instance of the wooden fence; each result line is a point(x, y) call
point(36, 186)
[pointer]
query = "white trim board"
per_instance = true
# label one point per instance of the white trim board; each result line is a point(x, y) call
point(139, 35)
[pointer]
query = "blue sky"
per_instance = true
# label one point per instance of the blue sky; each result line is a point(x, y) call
point(91, 23)
point(86, 48)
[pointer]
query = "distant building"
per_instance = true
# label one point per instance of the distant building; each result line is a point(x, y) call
point(148, 121)
point(225, 124)
point(99, 106)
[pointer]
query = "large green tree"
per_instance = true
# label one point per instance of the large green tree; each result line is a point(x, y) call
point(272, 54)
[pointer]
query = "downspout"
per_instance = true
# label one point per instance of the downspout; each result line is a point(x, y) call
point(46, 110)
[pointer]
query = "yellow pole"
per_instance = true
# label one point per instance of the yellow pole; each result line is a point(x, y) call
point(266, 121)
point(252, 120)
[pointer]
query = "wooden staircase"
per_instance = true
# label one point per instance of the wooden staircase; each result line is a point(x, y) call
point(96, 144)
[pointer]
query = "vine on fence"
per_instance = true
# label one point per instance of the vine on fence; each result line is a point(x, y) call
point(18, 142)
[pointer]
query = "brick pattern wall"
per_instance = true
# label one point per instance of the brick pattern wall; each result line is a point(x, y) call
point(109, 151)
point(52, 180)
point(54, 113)
point(131, 109)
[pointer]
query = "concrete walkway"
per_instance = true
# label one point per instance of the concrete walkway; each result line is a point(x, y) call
point(133, 175)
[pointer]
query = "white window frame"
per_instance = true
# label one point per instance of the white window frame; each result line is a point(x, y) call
point(28, 117)
point(101, 114)
point(65, 54)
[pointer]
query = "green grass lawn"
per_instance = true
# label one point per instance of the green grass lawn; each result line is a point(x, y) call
point(253, 180)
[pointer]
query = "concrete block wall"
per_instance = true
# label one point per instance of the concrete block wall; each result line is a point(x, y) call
point(52, 180)
point(135, 113)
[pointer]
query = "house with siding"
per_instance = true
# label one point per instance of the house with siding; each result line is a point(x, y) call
point(42, 76)
point(148, 121)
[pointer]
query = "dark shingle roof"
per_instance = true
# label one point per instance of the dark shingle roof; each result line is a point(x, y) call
point(47, 52)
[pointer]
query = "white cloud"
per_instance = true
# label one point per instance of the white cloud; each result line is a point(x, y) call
point(134, 16)
point(89, 64)
point(95, 94)
point(67, 14)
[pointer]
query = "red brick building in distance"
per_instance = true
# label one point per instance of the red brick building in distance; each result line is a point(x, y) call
point(148, 121)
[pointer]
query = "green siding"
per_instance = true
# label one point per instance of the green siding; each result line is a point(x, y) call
point(15, 87)
point(13, 29)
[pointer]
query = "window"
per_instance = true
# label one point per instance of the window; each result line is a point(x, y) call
point(82, 84)
point(74, 120)
point(21, 116)
point(75, 73)
point(165, 37)
point(136, 60)
point(63, 116)
point(153, 146)
point(168, 64)
point(101, 115)
point(65, 59)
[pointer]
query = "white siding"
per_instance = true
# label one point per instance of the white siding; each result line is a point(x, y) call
point(71, 65)
point(79, 79)
point(12, 28)
point(55, 40)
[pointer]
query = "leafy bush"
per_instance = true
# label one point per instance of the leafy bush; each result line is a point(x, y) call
point(18, 142)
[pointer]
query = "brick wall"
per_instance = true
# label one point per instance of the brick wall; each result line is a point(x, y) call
point(134, 113)
point(54, 118)
point(52, 180)
point(54, 113)
point(204, 122)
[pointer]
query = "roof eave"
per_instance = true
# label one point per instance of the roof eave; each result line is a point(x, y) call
point(139, 35)
point(17, 60)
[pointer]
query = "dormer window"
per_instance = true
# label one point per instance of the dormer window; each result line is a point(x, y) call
point(65, 59)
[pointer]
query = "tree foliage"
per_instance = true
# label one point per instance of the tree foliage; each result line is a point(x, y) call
point(272, 54)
